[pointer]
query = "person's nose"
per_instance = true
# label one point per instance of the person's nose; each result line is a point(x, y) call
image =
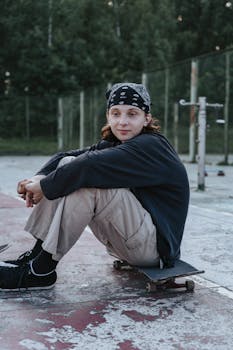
point(123, 119)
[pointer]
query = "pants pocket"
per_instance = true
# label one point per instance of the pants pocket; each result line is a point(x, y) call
point(134, 229)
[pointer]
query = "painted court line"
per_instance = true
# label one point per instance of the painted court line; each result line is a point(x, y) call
point(209, 284)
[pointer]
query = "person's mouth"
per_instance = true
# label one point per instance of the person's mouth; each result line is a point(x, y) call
point(123, 132)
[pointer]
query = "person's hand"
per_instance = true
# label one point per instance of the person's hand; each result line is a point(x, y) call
point(28, 196)
point(33, 193)
point(21, 188)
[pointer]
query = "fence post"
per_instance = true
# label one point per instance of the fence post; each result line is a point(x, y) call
point(70, 121)
point(60, 116)
point(27, 117)
point(175, 126)
point(95, 109)
point(81, 125)
point(226, 108)
point(166, 99)
point(144, 79)
point(109, 85)
point(201, 142)
point(193, 100)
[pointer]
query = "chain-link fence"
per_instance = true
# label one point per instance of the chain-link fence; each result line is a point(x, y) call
point(74, 121)
point(213, 80)
point(81, 117)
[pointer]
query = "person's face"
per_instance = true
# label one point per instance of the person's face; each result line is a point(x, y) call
point(127, 121)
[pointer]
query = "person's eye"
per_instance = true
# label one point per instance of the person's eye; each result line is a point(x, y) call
point(132, 114)
point(114, 113)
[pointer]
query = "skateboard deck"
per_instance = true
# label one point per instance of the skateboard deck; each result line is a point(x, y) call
point(3, 247)
point(164, 278)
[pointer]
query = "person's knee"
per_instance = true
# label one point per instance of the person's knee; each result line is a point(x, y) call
point(65, 160)
point(110, 193)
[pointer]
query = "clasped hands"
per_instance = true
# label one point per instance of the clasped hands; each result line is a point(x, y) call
point(30, 190)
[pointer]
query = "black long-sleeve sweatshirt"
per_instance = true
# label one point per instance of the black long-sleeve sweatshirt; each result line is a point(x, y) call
point(147, 164)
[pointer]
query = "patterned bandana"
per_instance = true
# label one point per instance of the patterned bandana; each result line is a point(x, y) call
point(129, 94)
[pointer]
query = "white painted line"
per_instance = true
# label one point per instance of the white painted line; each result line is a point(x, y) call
point(208, 284)
point(209, 210)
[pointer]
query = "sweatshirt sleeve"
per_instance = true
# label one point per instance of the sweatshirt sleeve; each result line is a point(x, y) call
point(53, 162)
point(135, 163)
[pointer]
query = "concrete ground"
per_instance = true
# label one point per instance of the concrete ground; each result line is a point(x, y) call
point(96, 307)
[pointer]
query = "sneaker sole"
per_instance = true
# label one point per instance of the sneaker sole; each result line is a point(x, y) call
point(6, 264)
point(26, 289)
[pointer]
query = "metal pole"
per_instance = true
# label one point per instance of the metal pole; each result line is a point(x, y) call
point(95, 109)
point(27, 116)
point(226, 108)
point(81, 126)
point(166, 100)
point(201, 143)
point(50, 24)
point(175, 126)
point(193, 100)
point(71, 117)
point(201, 136)
point(144, 79)
point(60, 136)
point(116, 10)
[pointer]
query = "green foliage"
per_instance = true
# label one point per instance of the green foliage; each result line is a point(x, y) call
point(55, 47)
point(90, 42)
point(52, 48)
point(203, 26)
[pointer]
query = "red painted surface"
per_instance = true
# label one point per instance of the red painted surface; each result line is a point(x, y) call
point(127, 345)
point(32, 324)
point(10, 202)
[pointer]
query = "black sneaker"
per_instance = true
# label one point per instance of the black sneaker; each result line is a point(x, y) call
point(23, 259)
point(21, 278)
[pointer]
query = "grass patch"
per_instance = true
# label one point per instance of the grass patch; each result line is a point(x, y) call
point(18, 146)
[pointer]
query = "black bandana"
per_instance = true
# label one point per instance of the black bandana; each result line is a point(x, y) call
point(129, 94)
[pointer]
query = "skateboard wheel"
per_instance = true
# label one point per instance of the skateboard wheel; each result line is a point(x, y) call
point(221, 173)
point(190, 285)
point(117, 264)
point(151, 287)
point(122, 265)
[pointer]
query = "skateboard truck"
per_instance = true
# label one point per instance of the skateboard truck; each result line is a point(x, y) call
point(170, 283)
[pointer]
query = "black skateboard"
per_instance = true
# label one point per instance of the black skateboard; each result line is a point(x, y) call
point(3, 247)
point(164, 278)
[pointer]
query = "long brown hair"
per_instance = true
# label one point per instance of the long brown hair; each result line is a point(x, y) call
point(151, 128)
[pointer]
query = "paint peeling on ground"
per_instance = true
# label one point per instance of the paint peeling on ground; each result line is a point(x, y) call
point(139, 317)
point(32, 345)
point(146, 323)
point(126, 345)
point(124, 319)
point(43, 321)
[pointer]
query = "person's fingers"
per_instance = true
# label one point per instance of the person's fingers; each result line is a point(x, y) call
point(21, 186)
point(34, 187)
point(34, 193)
point(30, 187)
point(23, 195)
point(29, 199)
point(37, 198)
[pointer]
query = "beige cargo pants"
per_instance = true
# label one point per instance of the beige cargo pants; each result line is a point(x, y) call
point(115, 216)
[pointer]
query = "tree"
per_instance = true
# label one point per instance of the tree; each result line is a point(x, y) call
point(56, 46)
point(203, 26)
